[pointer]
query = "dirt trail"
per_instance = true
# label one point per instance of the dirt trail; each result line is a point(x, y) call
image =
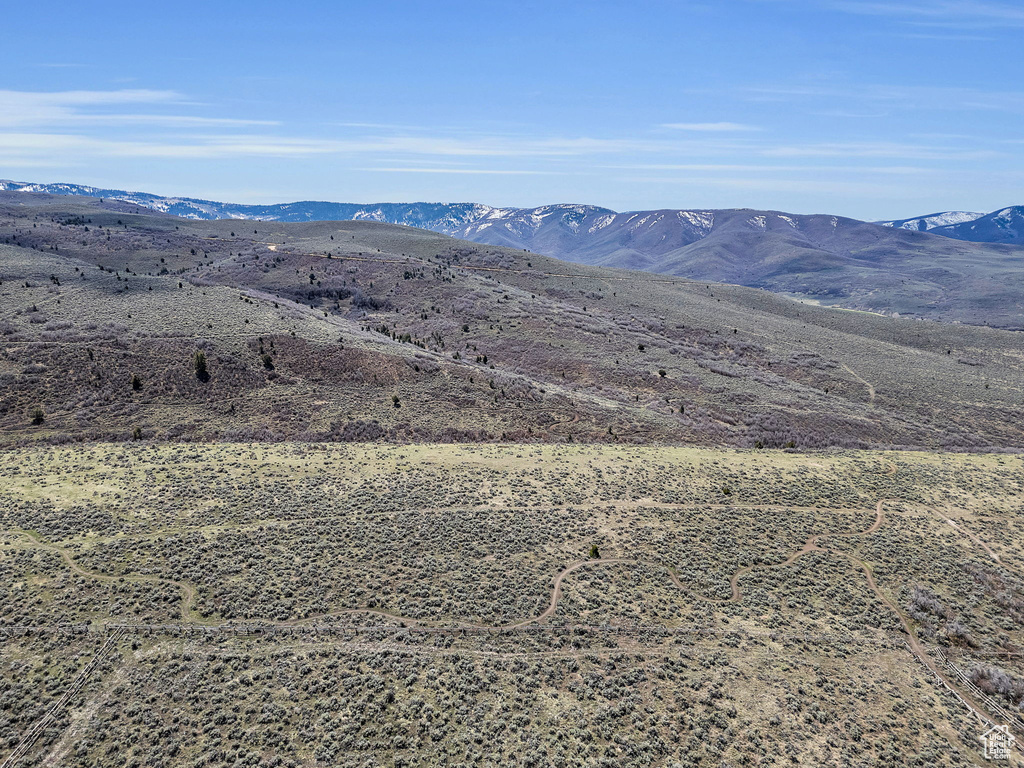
point(812, 544)
point(188, 592)
point(556, 591)
point(865, 382)
point(962, 529)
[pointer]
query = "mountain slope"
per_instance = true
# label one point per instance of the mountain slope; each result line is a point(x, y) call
point(826, 259)
point(440, 217)
point(1003, 226)
point(362, 330)
point(932, 221)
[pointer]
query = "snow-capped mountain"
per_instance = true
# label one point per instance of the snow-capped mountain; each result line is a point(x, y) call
point(933, 220)
point(440, 217)
point(1003, 226)
point(555, 229)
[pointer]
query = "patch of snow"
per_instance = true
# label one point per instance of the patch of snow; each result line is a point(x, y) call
point(601, 222)
point(698, 221)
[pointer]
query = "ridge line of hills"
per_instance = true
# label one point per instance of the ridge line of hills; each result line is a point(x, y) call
point(999, 226)
point(369, 331)
point(903, 267)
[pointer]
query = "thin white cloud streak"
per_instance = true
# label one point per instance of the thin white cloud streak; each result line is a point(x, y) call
point(206, 146)
point(70, 136)
point(893, 170)
point(948, 37)
point(27, 109)
point(831, 187)
point(710, 127)
point(13, 99)
point(172, 121)
point(957, 14)
point(471, 171)
point(950, 12)
point(879, 149)
point(893, 97)
point(22, 146)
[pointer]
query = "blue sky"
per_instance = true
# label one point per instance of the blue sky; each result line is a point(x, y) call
point(865, 108)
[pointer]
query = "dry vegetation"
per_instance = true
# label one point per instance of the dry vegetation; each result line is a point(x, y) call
point(429, 605)
point(349, 331)
point(303, 495)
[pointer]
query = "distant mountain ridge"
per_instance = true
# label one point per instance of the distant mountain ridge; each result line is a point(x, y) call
point(439, 217)
point(932, 221)
point(888, 267)
point(1003, 226)
point(473, 220)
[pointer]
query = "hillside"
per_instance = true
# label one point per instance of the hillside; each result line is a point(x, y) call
point(829, 259)
point(960, 269)
point(246, 518)
point(367, 331)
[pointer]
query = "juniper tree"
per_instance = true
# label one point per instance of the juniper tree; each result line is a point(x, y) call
point(199, 363)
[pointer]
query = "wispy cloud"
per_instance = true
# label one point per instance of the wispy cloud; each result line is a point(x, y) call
point(201, 146)
point(945, 37)
point(470, 171)
point(879, 149)
point(866, 98)
point(956, 14)
point(891, 170)
point(774, 185)
point(70, 109)
point(460, 155)
point(961, 13)
point(144, 129)
point(29, 109)
point(710, 127)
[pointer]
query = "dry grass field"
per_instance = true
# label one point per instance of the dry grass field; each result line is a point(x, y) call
point(348, 604)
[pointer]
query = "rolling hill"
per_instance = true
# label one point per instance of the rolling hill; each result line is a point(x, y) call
point(958, 276)
point(354, 493)
point(366, 331)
